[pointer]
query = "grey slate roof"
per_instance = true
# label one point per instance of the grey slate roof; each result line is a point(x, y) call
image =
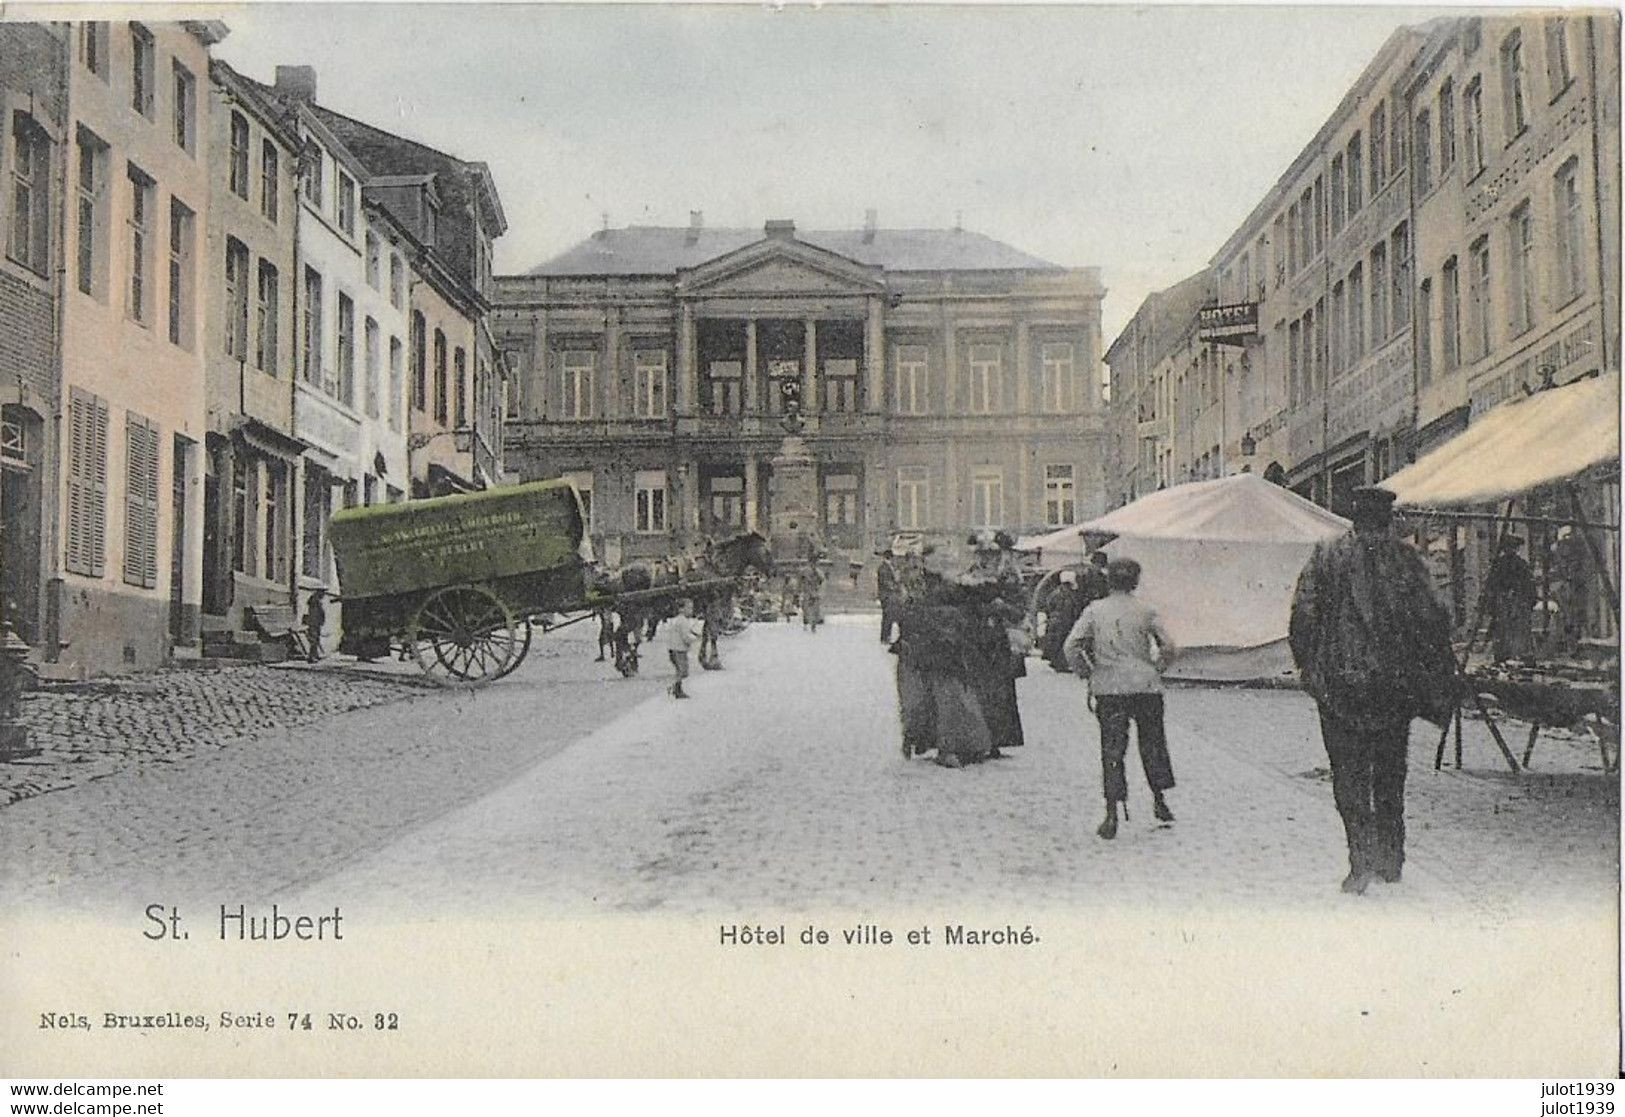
point(662, 250)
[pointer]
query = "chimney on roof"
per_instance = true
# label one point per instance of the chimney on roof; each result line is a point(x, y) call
point(869, 218)
point(781, 230)
point(297, 82)
point(959, 221)
point(696, 222)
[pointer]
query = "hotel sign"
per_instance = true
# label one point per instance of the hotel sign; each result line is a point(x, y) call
point(1231, 324)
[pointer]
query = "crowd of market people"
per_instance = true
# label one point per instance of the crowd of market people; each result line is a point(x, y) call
point(1370, 640)
point(961, 645)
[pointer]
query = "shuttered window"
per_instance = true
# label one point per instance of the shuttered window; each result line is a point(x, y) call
point(140, 502)
point(87, 484)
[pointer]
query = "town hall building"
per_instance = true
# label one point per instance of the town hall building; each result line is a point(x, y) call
point(947, 382)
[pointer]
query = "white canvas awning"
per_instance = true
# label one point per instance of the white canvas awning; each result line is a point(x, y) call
point(1240, 508)
point(1549, 436)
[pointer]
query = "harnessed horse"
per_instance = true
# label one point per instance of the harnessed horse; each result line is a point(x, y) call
point(629, 623)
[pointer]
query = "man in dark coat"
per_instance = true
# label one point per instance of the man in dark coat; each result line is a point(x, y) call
point(1510, 594)
point(1372, 645)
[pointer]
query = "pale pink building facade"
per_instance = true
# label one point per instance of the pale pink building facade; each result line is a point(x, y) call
point(133, 393)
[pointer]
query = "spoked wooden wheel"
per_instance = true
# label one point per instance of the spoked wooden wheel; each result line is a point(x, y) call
point(467, 634)
point(520, 650)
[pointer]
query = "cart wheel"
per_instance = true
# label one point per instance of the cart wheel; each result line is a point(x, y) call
point(467, 634)
point(520, 650)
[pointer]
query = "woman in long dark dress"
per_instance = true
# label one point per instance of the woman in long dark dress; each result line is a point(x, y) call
point(995, 595)
point(1001, 659)
point(941, 652)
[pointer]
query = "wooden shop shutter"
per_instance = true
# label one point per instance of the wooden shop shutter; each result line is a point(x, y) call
point(98, 490)
point(87, 484)
point(141, 502)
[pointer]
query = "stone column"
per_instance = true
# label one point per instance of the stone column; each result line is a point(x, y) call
point(685, 507)
point(950, 366)
point(874, 357)
point(877, 482)
point(809, 371)
point(1089, 367)
point(687, 360)
point(752, 389)
point(691, 524)
point(534, 400)
point(752, 484)
point(612, 364)
point(1024, 371)
point(1023, 485)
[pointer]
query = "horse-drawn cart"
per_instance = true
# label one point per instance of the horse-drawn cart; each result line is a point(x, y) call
point(461, 582)
point(455, 581)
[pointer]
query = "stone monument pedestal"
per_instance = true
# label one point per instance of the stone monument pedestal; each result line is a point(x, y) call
point(793, 493)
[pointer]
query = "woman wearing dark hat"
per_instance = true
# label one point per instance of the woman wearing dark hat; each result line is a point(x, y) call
point(1372, 645)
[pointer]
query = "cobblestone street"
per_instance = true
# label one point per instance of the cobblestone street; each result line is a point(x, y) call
point(779, 786)
point(257, 777)
point(593, 833)
point(86, 731)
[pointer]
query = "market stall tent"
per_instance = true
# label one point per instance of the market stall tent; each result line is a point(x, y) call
point(1550, 442)
point(1219, 562)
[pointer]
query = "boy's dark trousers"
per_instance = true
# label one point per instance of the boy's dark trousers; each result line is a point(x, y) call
point(1114, 712)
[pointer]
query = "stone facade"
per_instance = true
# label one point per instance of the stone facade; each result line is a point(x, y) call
point(352, 315)
point(134, 394)
point(33, 116)
point(1448, 240)
point(1468, 182)
point(205, 299)
point(249, 539)
point(945, 380)
point(452, 211)
point(444, 339)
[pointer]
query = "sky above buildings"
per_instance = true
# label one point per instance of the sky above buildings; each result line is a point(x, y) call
point(1132, 139)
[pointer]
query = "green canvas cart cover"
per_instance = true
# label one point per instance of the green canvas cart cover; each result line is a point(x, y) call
point(471, 537)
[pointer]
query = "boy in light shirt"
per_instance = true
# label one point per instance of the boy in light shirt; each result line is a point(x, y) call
point(1121, 647)
point(682, 633)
